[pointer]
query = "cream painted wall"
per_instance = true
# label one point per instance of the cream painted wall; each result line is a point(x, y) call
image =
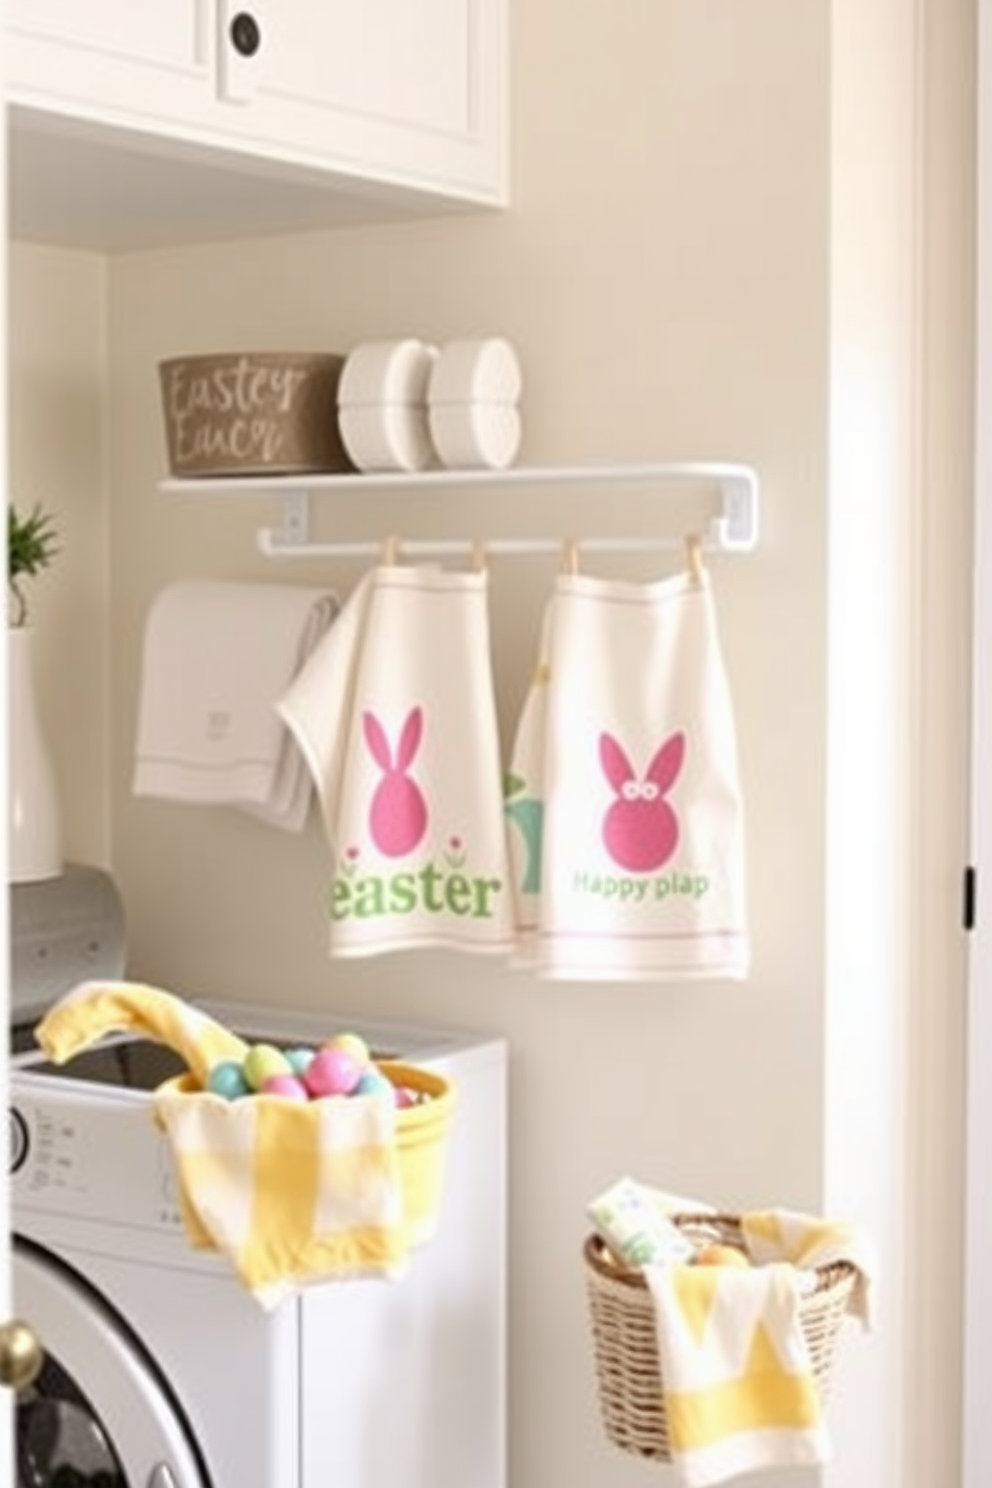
point(669, 272)
point(664, 273)
point(56, 339)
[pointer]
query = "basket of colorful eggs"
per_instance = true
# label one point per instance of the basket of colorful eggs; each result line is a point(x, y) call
point(296, 1164)
point(295, 1083)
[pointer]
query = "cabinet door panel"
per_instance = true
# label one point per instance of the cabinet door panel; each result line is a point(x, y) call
point(159, 33)
point(412, 89)
point(408, 62)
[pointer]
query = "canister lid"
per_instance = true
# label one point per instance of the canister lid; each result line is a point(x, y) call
point(475, 436)
point(480, 370)
point(386, 372)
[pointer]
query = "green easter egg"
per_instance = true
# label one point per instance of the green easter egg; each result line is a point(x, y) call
point(261, 1062)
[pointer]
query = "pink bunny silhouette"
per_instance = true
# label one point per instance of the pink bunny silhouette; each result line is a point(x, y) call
point(398, 811)
point(640, 829)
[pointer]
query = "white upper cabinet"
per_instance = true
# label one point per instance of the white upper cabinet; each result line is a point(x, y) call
point(392, 107)
point(151, 31)
point(148, 63)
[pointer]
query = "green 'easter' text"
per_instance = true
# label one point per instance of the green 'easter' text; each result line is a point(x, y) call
point(429, 889)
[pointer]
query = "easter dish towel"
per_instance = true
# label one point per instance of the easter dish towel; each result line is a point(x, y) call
point(395, 714)
point(288, 1192)
point(623, 797)
point(740, 1390)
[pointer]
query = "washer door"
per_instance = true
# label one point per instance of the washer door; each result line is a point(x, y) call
point(100, 1414)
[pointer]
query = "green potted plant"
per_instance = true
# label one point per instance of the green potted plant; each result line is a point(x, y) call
point(32, 543)
point(35, 834)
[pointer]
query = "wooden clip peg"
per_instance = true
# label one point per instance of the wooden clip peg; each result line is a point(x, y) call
point(694, 556)
point(569, 556)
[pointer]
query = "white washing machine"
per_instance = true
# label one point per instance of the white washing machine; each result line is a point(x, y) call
point(163, 1372)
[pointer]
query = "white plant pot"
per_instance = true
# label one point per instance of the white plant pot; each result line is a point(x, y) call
point(35, 820)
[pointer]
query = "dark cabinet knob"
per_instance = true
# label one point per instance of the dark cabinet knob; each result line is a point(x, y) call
point(246, 36)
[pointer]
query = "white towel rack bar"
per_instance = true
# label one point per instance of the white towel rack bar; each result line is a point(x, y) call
point(273, 546)
point(734, 528)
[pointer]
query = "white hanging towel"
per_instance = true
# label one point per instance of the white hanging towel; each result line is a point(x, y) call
point(396, 718)
point(623, 796)
point(217, 656)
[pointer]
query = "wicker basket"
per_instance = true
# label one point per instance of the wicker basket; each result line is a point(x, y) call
point(621, 1310)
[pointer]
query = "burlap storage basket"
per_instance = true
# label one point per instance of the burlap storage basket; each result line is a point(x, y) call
point(252, 413)
point(625, 1345)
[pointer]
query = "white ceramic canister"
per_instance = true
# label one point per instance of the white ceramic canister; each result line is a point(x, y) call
point(382, 405)
point(473, 395)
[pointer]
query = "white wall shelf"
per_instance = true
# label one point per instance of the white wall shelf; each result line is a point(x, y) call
point(734, 528)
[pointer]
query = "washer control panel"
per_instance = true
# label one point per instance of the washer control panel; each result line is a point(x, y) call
point(104, 1161)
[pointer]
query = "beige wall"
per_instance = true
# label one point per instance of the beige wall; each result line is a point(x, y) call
point(663, 273)
point(669, 273)
point(57, 410)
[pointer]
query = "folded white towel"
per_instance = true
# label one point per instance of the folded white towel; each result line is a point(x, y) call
point(217, 656)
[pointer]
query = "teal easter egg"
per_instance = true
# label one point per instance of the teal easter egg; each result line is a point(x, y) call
point(299, 1059)
point(261, 1062)
point(228, 1080)
point(373, 1082)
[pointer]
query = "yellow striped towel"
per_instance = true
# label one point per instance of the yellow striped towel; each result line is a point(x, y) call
point(739, 1388)
point(93, 1009)
point(289, 1193)
point(785, 1235)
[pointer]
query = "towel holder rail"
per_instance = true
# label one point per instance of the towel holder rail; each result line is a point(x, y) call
point(734, 528)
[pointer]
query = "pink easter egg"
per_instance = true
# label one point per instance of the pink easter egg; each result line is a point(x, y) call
point(405, 1097)
point(353, 1044)
point(288, 1086)
point(332, 1072)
